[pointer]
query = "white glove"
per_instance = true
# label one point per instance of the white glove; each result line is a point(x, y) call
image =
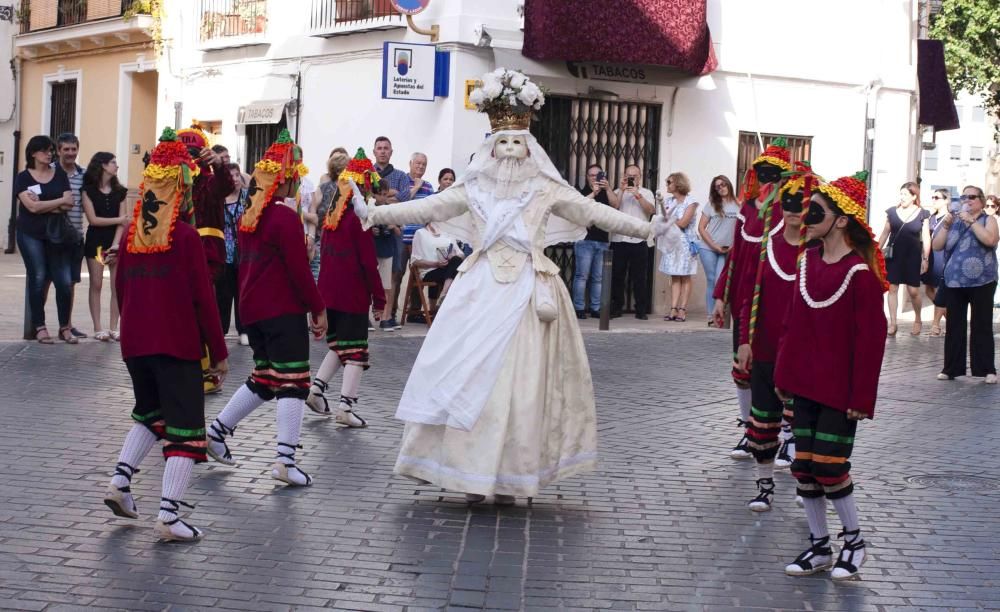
point(358, 200)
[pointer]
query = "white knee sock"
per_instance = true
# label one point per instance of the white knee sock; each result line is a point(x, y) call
point(138, 443)
point(329, 367)
point(243, 402)
point(176, 476)
point(816, 516)
point(847, 510)
point(743, 395)
point(352, 380)
point(289, 415)
point(765, 470)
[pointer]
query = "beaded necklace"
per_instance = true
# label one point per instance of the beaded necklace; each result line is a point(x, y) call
point(755, 239)
point(774, 263)
point(833, 298)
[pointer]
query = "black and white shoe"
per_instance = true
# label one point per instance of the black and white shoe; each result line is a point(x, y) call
point(852, 555)
point(765, 489)
point(317, 398)
point(289, 473)
point(786, 454)
point(816, 558)
point(742, 449)
point(175, 530)
point(217, 448)
point(119, 499)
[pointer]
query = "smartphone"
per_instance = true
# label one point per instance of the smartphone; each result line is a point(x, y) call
point(630, 181)
point(601, 176)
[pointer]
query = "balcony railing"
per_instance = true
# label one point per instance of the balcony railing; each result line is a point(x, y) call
point(222, 19)
point(24, 16)
point(333, 16)
point(71, 12)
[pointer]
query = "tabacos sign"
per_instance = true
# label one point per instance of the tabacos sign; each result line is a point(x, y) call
point(622, 73)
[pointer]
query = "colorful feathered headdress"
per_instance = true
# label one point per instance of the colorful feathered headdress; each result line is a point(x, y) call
point(360, 170)
point(282, 163)
point(165, 192)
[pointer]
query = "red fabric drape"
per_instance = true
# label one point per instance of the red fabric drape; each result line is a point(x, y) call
point(654, 32)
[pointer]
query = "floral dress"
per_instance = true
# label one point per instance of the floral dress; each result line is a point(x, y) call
point(682, 260)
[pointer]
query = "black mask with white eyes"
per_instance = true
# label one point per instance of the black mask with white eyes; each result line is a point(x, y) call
point(767, 173)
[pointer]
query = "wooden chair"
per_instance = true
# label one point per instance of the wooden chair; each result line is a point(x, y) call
point(418, 284)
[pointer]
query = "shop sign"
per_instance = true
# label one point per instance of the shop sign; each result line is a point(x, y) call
point(408, 71)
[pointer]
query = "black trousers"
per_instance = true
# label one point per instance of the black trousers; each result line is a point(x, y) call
point(979, 342)
point(227, 296)
point(440, 275)
point(631, 260)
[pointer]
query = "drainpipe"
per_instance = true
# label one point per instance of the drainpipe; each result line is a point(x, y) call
point(871, 111)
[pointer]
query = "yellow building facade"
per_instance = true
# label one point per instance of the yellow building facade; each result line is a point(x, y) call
point(88, 67)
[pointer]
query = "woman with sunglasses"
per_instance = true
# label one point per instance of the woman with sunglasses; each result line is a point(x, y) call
point(837, 308)
point(968, 240)
point(716, 227)
point(935, 266)
point(906, 242)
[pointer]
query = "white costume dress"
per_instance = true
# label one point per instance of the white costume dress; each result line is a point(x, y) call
point(500, 398)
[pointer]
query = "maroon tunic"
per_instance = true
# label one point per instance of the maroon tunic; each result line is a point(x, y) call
point(833, 355)
point(348, 269)
point(210, 191)
point(776, 289)
point(167, 303)
point(275, 277)
point(745, 255)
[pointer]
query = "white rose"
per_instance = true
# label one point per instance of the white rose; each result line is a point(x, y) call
point(492, 88)
point(477, 96)
point(526, 97)
point(518, 80)
point(512, 99)
point(499, 72)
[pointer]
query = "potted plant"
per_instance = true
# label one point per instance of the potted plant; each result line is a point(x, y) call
point(23, 15)
point(253, 15)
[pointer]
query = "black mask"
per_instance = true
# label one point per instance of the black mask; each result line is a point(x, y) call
point(767, 173)
point(816, 214)
point(791, 202)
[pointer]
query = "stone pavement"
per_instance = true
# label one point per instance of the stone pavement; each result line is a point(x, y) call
point(660, 526)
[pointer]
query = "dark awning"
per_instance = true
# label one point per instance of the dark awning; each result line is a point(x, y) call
point(937, 105)
point(647, 32)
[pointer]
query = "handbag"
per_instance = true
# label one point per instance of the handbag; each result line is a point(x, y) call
point(59, 230)
point(693, 247)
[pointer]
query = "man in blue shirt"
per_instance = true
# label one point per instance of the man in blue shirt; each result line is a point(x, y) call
point(399, 186)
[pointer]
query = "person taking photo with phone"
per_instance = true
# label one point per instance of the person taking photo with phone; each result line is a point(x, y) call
point(589, 252)
point(631, 255)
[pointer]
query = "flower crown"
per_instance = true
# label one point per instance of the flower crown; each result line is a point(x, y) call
point(509, 98)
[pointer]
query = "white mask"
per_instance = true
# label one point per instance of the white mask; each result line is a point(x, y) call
point(511, 147)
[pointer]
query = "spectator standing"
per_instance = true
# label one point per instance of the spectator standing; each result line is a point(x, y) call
point(906, 242)
point(68, 150)
point(932, 279)
point(681, 262)
point(106, 212)
point(588, 253)
point(227, 284)
point(398, 190)
point(43, 192)
point(419, 189)
point(969, 240)
point(385, 250)
point(716, 228)
point(631, 255)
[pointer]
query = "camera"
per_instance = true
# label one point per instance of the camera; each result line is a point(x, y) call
point(630, 181)
point(601, 176)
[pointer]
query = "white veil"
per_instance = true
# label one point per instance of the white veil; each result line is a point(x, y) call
point(556, 231)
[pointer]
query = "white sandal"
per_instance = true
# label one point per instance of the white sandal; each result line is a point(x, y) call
point(103, 336)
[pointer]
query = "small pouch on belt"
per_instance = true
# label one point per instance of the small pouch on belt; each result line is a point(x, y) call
point(545, 302)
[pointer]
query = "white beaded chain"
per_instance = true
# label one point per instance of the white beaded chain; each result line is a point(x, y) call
point(833, 298)
point(747, 237)
point(774, 263)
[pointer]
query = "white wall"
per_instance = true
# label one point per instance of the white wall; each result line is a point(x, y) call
point(8, 123)
point(964, 171)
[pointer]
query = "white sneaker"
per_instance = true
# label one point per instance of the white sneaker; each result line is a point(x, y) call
point(943, 376)
point(244, 340)
point(120, 502)
point(991, 379)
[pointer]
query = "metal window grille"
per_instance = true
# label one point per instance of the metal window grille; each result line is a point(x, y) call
point(577, 132)
point(24, 16)
point(71, 12)
point(62, 117)
point(800, 148)
point(259, 138)
point(225, 18)
point(359, 10)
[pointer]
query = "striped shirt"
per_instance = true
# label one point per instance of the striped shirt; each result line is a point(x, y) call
point(76, 186)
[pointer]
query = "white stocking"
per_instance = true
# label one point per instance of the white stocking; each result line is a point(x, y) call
point(816, 516)
point(176, 476)
point(329, 367)
point(243, 402)
point(138, 443)
point(743, 395)
point(289, 415)
point(847, 510)
point(352, 380)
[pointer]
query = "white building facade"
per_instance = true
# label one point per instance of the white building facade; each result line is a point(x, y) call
point(8, 118)
point(961, 157)
point(840, 78)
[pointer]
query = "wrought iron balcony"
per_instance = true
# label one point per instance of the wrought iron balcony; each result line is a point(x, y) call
point(57, 26)
point(222, 20)
point(337, 17)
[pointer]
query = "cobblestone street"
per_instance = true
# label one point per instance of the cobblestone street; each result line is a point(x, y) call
point(661, 526)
